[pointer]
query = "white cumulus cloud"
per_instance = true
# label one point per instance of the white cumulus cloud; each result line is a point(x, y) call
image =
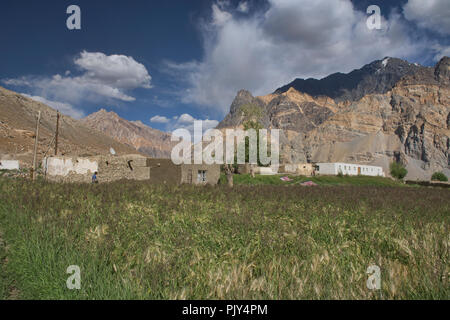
point(117, 71)
point(293, 38)
point(185, 121)
point(159, 119)
point(103, 77)
point(430, 14)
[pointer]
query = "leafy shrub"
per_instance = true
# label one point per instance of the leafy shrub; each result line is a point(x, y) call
point(398, 170)
point(439, 176)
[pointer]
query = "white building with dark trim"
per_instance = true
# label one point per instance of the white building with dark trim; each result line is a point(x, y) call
point(348, 169)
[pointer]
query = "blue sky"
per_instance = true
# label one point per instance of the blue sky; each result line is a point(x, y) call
point(167, 63)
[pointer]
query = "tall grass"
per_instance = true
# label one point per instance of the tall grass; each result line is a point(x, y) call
point(246, 179)
point(133, 240)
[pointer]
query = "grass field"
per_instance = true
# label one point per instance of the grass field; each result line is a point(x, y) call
point(246, 179)
point(133, 240)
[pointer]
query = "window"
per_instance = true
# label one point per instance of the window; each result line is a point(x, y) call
point(201, 177)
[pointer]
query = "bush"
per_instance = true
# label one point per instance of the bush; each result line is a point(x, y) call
point(439, 176)
point(398, 170)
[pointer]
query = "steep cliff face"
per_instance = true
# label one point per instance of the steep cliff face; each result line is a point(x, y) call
point(409, 122)
point(136, 134)
point(240, 111)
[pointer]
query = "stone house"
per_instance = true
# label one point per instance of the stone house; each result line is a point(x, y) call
point(302, 169)
point(165, 171)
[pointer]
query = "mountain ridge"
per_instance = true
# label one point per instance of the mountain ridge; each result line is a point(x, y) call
point(405, 118)
point(378, 76)
point(17, 132)
point(136, 134)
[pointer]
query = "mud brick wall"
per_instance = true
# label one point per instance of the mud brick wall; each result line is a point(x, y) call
point(113, 168)
point(109, 168)
point(164, 171)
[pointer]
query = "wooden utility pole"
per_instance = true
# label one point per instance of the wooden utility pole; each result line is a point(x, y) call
point(56, 134)
point(36, 146)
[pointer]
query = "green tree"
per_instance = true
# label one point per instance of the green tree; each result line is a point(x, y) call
point(398, 170)
point(257, 127)
point(439, 176)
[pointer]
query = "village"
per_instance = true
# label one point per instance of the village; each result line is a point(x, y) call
point(62, 168)
point(204, 153)
point(164, 171)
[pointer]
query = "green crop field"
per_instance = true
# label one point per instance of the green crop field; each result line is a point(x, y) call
point(259, 240)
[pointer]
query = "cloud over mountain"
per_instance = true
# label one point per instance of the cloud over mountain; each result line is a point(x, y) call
point(103, 78)
point(431, 14)
point(64, 108)
point(292, 38)
point(184, 121)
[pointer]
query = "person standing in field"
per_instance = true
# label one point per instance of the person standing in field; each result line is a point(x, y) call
point(94, 177)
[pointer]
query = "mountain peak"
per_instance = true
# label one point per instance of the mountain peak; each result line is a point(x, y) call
point(243, 94)
point(442, 69)
point(102, 114)
point(379, 76)
point(143, 138)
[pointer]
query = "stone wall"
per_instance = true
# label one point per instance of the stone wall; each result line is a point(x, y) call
point(68, 169)
point(164, 171)
point(131, 167)
point(302, 169)
point(109, 168)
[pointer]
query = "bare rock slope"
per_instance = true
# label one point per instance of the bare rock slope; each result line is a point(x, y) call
point(17, 131)
point(389, 110)
point(136, 134)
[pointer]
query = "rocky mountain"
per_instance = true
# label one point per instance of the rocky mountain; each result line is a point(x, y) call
point(17, 132)
point(377, 77)
point(376, 114)
point(136, 134)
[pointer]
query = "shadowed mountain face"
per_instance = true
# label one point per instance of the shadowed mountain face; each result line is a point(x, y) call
point(144, 139)
point(17, 131)
point(377, 77)
point(387, 110)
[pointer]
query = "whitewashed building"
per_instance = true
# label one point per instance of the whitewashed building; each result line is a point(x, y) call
point(9, 165)
point(348, 169)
